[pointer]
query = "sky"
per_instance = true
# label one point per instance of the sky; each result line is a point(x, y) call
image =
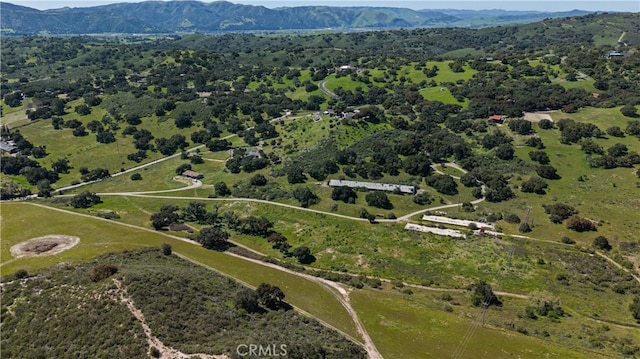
point(544, 5)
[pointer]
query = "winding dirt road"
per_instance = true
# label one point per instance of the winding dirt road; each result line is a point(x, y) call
point(153, 341)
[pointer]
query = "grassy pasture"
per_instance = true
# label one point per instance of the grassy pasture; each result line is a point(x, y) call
point(346, 244)
point(14, 119)
point(99, 237)
point(381, 249)
point(154, 178)
point(345, 82)
point(441, 94)
point(385, 250)
point(445, 74)
point(6, 109)
point(602, 194)
point(417, 326)
point(87, 151)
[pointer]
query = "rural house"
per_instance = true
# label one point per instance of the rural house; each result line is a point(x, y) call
point(192, 174)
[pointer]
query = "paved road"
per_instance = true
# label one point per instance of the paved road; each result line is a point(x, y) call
point(322, 86)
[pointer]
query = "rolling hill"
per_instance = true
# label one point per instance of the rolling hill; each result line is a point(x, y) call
point(194, 16)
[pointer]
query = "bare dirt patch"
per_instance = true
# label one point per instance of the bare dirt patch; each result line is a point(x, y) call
point(44, 246)
point(536, 117)
point(178, 227)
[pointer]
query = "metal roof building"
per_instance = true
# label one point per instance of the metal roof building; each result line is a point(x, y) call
point(373, 186)
point(8, 146)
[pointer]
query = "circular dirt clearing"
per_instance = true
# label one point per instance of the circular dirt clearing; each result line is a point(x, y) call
point(44, 246)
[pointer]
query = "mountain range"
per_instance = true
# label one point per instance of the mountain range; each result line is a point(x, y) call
point(221, 16)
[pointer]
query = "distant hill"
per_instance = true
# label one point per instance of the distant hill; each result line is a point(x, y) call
point(194, 16)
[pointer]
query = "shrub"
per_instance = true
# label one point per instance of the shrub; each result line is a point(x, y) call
point(85, 199)
point(545, 304)
point(166, 249)
point(422, 198)
point(378, 199)
point(303, 254)
point(633, 128)
point(512, 218)
point(545, 124)
point(258, 180)
point(634, 307)
point(539, 156)
point(534, 185)
point(136, 177)
point(567, 240)
point(221, 189)
point(108, 215)
point(629, 111)
point(247, 300)
point(548, 172)
point(103, 271)
point(615, 131)
point(345, 194)
point(524, 228)
point(589, 146)
point(443, 183)
point(601, 242)
point(579, 224)
point(21, 273)
point(558, 212)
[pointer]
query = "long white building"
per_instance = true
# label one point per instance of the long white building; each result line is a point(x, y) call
point(373, 186)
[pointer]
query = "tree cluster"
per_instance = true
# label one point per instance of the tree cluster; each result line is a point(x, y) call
point(558, 212)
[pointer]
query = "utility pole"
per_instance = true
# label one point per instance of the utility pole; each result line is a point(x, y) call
point(485, 305)
point(511, 256)
point(528, 210)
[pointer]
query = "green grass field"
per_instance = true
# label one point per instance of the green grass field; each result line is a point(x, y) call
point(99, 237)
point(603, 194)
point(87, 151)
point(345, 82)
point(417, 326)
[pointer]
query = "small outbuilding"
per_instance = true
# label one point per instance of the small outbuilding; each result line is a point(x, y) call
point(8, 147)
point(496, 118)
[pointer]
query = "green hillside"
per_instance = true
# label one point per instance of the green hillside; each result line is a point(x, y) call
point(64, 312)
